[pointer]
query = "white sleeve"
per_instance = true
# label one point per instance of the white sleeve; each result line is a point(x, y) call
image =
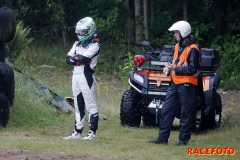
point(91, 51)
point(73, 49)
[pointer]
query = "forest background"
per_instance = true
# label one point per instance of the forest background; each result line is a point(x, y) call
point(215, 24)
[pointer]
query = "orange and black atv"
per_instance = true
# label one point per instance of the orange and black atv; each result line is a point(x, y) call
point(149, 85)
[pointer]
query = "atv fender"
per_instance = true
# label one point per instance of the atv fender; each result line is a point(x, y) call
point(210, 85)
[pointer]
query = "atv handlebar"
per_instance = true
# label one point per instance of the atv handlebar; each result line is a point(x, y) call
point(155, 53)
point(156, 58)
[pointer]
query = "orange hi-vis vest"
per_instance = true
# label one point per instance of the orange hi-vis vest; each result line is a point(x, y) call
point(179, 79)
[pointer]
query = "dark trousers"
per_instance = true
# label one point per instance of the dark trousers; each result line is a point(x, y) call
point(181, 97)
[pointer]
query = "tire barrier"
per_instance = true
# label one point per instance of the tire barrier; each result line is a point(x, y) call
point(4, 110)
point(2, 53)
point(7, 83)
point(7, 25)
point(7, 88)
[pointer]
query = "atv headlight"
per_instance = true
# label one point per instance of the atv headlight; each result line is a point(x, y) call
point(138, 78)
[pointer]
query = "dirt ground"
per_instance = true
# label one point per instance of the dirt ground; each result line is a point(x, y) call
point(33, 155)
point(228, 99)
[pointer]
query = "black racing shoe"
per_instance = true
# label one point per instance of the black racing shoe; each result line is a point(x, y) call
point(181, 143)
point(157, 141)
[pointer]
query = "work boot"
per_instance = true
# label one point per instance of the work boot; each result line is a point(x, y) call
point(157, 141)
point(181, 143)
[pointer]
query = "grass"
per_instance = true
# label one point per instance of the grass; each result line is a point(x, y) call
point(35, 125)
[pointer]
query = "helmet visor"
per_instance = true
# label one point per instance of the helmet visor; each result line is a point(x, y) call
point(81, 31)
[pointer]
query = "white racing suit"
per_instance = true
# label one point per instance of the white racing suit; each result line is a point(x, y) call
point(83, 83)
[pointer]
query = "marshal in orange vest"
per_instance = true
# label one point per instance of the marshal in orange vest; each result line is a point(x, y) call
point(179, 79)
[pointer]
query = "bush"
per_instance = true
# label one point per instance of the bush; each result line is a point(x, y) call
point(19, 44)
point(229, 49)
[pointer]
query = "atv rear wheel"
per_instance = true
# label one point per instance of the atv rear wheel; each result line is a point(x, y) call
point(218, 110)
point(199, 115)
point(213, 119)
point(128, 109)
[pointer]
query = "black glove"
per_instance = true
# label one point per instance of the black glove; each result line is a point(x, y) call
point(70, 60)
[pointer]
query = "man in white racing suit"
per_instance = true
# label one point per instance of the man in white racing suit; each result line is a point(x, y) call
point(83, 56)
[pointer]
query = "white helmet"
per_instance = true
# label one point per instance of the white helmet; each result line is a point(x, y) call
point(87, 25)
point(183, 27)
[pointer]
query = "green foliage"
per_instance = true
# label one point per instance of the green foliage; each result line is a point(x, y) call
point(230, 59)
point(43, 55)
point(127, 67)
point(109, 59)
point(233, 19)
point(57, 9)
point(202, 32)
point(58, 14)
point(108, 26)
point(20, 43)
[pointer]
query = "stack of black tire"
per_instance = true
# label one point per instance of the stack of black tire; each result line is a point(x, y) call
point(7, 85)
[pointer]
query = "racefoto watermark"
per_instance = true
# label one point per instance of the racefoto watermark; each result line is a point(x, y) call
point(211, 151)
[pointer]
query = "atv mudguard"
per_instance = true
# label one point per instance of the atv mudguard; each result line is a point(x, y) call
point(144, 73)
point(210, 85)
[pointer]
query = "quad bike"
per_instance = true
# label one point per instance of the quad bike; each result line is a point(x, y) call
point(149, 85)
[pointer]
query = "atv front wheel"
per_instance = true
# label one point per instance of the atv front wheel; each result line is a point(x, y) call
point(128, 109)
point(198, 116)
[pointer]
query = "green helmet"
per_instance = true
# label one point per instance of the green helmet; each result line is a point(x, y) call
point(86, 25)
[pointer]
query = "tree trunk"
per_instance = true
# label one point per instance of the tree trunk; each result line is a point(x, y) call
point(65, 38)
point(185, 15)
point(58, 18)
point(220, 11)
point(145, 19)
point(138, 21)
point(128, 27)
point(33, 28)
point(151, 12)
